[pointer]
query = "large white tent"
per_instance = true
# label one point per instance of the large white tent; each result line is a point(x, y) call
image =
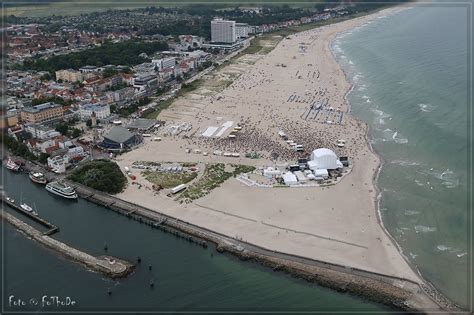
point(290, 179)
point(324, 159)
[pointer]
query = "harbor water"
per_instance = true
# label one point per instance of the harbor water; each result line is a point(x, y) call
point(409, 76)
point(186, 276)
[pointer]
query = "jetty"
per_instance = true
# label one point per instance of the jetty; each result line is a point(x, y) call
point(51, 227)
point(107, 265)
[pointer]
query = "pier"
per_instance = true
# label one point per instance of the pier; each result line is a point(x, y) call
point(108, 265)
point(51, 227)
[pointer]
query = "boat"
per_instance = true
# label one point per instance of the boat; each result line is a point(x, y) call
point(12, 166)
point(38, 178)
point(61, 189)
point(27, 208)
point(11, 200)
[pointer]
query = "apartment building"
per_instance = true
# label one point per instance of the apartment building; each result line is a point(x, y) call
point(42, 113)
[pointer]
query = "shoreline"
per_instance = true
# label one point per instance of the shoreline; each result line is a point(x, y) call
point(381, 163)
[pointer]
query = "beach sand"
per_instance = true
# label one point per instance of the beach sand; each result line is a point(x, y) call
point(339, 223)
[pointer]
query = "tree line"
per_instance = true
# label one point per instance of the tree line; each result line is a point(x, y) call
point(125, 53)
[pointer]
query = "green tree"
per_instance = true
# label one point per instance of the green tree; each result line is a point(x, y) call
point(63, 128)
point(103, 175)
point(76, 132)
point(43, 158)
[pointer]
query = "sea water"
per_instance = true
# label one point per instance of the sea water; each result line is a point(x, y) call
point(409, 73)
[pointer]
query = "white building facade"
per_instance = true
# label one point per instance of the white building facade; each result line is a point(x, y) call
point(223, 31)
point(242, 30)
point(101, 111)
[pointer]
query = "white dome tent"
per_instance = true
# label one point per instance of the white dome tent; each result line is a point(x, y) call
point(324, 159)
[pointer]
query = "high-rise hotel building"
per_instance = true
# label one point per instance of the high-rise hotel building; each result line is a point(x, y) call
point(223, 31)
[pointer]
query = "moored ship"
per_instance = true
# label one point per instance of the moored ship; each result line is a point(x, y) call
point(29, 209)
point(38, 178)
point(11, 165)
point(61, 189)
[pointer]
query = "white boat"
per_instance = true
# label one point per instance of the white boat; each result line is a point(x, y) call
point(12, 165)
point(27, 208)
point(38, 178)
point(61, 189)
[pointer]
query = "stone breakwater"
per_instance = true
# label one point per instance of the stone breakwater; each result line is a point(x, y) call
point(107, 265)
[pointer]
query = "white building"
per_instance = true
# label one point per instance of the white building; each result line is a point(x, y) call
point(242, 30)
point(223, 31)
point(40, 131)
point(145, 83)
point(289, 178)
point(271, 172)
point(58, 163)
point(190, 41)
point(101, 111)
point(324, 159)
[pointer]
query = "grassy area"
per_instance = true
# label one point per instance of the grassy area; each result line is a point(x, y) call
point(262, 45)
point(165, 104)
point(161, 105)
point(169, 180)
point(186, 88)
point(214, 176)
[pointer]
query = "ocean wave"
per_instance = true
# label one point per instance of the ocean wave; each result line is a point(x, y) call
point(397, 139)
point(388, 135)
point(411, 212)
point(447, 177)
point(380, 113)
point(357, 77)
point(424, 229)
point(455, 251)
point(419, 183)
point(363, 87)
point(350, 62)
point(404, 163)
point(442, 248)
point(401, 140)
point(380, 119)
point(413, 256)
point(427, 108)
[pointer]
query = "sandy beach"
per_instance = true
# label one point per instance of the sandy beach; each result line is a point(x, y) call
point(338, 223)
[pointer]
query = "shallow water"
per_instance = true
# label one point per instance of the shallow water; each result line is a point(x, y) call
point(409, 72)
